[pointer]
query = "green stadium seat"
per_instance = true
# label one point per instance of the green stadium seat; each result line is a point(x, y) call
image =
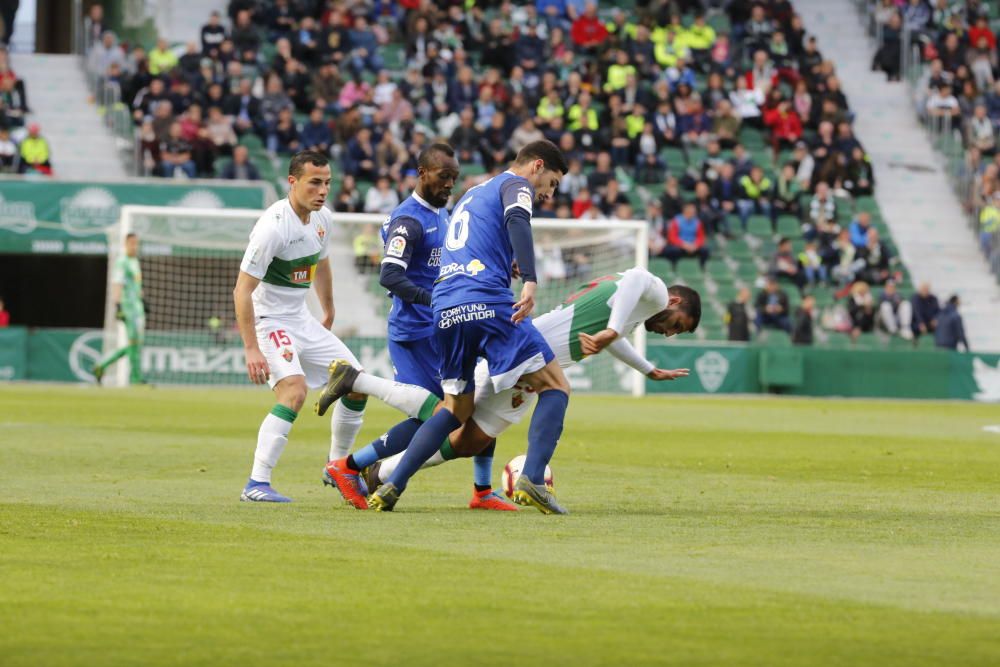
point(759, 225)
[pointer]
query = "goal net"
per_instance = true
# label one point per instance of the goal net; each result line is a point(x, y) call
point(190, 259)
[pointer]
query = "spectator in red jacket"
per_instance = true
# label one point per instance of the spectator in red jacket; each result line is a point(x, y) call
point(686, 237)
point(785, 126)
point(982, 30)
point(4, 315)
point(588, 31)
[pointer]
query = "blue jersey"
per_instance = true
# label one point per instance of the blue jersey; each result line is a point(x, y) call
point(477, 255)
point(413, 234)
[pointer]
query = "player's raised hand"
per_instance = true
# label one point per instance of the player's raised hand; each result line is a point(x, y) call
point(257, 366)
point(660, 374)
point(600, 340)
point(526, 304)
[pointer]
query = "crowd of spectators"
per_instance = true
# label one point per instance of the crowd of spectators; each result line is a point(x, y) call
point(23, 149)
point(959, 90)
point(623, 93)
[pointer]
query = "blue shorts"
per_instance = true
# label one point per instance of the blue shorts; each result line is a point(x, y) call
point(416, 362)
point(470, 331)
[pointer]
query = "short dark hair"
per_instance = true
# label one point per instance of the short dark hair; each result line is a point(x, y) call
point(298, 162)
point(427, 158)
point(547, 152)
point(690, 303)
point(131, 235)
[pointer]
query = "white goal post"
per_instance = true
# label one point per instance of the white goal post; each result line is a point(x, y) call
point(190, 258)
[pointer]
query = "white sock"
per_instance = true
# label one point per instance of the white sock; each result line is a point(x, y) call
point(390, 464)
point(344, 426)
point(409, 399)
point(271, 440)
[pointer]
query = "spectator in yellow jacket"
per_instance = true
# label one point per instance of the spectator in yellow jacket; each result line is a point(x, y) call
point(35, 152)
point(161, 59)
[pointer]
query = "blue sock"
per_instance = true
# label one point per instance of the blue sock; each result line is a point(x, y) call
point(482, 467)
point(392, 442)
point(543, 434)
point(425, 442)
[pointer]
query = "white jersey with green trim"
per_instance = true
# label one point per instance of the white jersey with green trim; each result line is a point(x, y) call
point(282, 254)
point(621, 301)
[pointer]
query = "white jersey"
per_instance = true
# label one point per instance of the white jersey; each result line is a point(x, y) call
point(282, 254)
point(621, 302)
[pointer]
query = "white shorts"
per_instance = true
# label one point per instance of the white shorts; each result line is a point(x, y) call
point(495, 412)
point(300, 346)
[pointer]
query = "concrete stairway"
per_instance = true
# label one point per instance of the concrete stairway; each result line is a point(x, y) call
point(180, 21)
point(917, 202)
point(82, 147)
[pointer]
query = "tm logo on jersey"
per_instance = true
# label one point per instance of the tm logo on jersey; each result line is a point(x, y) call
point(302, 274)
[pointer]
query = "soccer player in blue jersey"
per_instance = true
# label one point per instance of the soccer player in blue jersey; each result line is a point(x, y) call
point(475, 315)
point(413, 235)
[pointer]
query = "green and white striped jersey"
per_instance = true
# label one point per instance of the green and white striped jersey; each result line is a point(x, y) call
point(283, 253)
point(621, 301)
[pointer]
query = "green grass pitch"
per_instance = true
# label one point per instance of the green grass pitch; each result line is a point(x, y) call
point(703, 532)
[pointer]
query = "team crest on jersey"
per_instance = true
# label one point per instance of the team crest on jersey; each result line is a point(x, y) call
point(287, 353)
point(321, 232)
point(474, 267)
point(396, 246)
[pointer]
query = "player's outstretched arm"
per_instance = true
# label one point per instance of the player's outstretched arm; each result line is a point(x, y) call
point(257, 368)
point(323, 280)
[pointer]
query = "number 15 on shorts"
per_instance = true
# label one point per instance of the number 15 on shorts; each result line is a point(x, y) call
point(279, 337)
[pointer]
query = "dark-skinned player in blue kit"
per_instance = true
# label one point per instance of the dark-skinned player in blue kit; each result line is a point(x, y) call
point(413, 235)
point(476, 316)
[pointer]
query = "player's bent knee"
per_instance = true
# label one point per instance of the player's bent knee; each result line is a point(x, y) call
point(291, 392)
point(550, 377)
point(460, 406)
point(470, 439)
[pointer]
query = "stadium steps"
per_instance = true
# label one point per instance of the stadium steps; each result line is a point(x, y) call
point(927, 222)
point(180, 21)
point(82, 147)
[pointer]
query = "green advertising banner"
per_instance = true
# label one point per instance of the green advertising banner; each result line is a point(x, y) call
point(715, 369)
point(57, 217)
point(13, 353)
point(63, 355)
point(213, 358)
point(216, 357)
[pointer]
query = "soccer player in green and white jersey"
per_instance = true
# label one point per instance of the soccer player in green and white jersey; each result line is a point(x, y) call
point(599, 316)
point(285, 346)
point(126, 281)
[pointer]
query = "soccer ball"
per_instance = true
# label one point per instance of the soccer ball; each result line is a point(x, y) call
point(512, 471)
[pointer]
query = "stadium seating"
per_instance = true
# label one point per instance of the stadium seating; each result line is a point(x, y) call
point(736, 262)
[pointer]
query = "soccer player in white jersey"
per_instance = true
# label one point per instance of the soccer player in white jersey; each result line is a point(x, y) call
point(600, 315)
point(285, 346)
